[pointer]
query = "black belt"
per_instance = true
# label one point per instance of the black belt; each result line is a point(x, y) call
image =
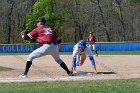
point(50, 43)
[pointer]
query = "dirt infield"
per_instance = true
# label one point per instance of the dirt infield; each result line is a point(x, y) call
point(45, 68)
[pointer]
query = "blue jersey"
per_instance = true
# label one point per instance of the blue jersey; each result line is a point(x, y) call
point(87, 51)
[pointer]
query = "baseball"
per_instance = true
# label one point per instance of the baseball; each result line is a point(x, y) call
point(89, 74)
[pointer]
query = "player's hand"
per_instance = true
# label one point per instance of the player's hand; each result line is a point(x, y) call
point(95, 72)
point(74, 70)
point(59, 46)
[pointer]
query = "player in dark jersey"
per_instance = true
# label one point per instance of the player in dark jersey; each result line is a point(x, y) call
point(92, 39)
point(49, 41)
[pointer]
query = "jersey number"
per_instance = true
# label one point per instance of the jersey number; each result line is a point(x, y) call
point(47, 31)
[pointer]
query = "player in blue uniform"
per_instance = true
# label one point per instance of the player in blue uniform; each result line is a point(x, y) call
point(82, 49)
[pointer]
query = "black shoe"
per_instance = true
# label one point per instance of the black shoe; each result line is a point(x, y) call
point(70, 74)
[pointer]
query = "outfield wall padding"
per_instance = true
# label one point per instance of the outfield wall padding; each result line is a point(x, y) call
point(130, 46)
point(17, 48)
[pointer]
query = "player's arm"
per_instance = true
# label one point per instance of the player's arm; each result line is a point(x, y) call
point(94, 39)
point(25, 35)
point(90, 55)
point(92, 61)
point(88, 39)
point(58, 40)
point(74, 64)
point(74, 56)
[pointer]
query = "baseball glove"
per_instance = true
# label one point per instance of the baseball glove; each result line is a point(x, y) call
point(23, 33)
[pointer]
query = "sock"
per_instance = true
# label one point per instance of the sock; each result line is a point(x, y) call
point(63, 65)
point(96, 52)
point(28, 65)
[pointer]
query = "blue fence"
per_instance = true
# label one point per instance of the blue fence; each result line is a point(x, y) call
point(132, 46)
point(18, 48)
point(69, 47)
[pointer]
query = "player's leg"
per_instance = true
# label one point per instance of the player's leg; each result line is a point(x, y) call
point(94, 48)
point(96, 52)
point(91, 47)
point(27, 67)
point(55, 55)
point(35, 54)
point(83, 58)
point(78, 62)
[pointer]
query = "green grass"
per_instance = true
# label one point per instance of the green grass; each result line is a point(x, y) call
point(1, 54)
point(95, 86)
point(119, 53)
point(109, 53)
point(100, 53)
point(5, 68)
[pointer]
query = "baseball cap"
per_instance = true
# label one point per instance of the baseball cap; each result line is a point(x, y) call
point(41, 19)
point(90, 32)
point(82, 44)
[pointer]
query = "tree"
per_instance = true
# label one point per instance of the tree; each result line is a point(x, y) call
point(47, 9)
point(109, 20)
point(134, 2)
point(11, 2)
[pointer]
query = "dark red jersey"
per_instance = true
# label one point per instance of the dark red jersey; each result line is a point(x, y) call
point(44, 34)
point(91, 38)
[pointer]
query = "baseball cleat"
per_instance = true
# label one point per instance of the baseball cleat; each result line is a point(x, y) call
point(23, 76)
point(96, 54)
point(70, 74)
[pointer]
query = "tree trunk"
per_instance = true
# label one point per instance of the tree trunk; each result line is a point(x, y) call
point(10, 21)
point(103, 21)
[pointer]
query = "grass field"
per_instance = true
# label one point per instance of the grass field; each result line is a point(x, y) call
point(111, 53)
point(5, 68)
point(95, 86)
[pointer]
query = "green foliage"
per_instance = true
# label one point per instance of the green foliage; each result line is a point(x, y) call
point(30, 24)
point(48, 8)
point(30, 41)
